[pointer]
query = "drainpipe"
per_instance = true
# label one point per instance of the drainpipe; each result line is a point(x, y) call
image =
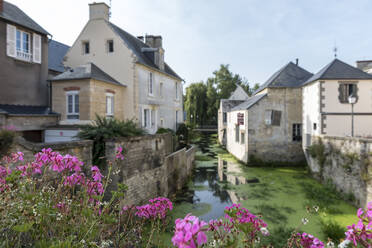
point(50, 95)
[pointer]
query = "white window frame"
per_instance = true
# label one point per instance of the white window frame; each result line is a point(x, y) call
point(73, 113)
point(83, 43)
point(20, 52)
point(151, 84)
point(150, 122)
point(110, 98)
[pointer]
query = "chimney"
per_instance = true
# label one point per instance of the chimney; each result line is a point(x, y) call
point(1, 5)
point(297, 61)
point(141, 38)
point(157, 43)
point(98, 11)
point(365, 65)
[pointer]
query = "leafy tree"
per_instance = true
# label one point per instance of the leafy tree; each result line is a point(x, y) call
point(196, 103)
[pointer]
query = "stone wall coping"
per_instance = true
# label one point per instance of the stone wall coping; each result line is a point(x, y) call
point(57, 145)
point(176, 152)
point(135, 138)
point(365, 140)
point(191, 149)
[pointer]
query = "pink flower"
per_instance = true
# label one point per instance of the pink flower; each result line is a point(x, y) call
point(189, 232)
point(119, 153)
point(96, 174)
point(156, 209)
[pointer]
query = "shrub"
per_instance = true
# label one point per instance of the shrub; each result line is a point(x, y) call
point(6, 140)
point(164, 130)
point(333, 230)
point(103, 129)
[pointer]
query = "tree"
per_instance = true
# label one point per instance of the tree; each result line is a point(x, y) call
point(196, 103)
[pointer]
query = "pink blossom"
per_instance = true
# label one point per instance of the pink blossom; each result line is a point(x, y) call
point(189, 232)
point(309, 241)
point(156, 209)
point(96, 174)
point(119, 153)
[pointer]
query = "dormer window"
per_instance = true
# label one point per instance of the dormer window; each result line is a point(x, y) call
point(86, 47)
point(110, 46)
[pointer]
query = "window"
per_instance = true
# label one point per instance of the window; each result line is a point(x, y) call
point(237, 133)
point(272, 117)
point(109, 104)
point(296, 132)
point(146, 117)
point(110, 46)
point(176, 86)
point(23, 45)
point(161, 122)
point(152, 118)
point(224, 117)
point(151, 79)
point(346, 90)
point(72, 105)
point(176, 116)
point(314, 126)
point(86, 47)
point(161, 89)
point(242, 138)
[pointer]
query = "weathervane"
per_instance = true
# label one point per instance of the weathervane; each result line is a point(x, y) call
point(110, 8)
point(335, 50)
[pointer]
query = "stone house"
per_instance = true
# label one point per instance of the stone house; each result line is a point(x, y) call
point(267, 126)
point(326, 108)
point(24, 95)
point(365, 65)
point(152, 91)
point(237, 97)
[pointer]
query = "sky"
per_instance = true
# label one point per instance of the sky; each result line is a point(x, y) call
point(255, 37)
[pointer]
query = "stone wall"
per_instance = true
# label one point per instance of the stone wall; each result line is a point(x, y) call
point(149, 168)
point(344, 161)
point(81, 149)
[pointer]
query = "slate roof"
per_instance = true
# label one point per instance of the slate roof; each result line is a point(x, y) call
point(249, 103)
point(227, 105)
point(56, 53)
point(339, 70)
point(289, 76)
point(239, 94)
point(136, 46)
point(88, 71)
point(15, 15)
point(25, 110)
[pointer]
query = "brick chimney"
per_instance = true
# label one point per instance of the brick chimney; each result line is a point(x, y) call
point(1, 5)
point(156, 41)
point(98, 11)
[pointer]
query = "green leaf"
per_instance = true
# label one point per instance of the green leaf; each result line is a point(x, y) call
point(23, 228)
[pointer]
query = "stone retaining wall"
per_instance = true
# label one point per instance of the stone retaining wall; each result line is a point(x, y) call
point(81, 149)
point(346, 162)
point(149, 168)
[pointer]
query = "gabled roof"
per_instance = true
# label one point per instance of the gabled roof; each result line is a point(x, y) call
point(136, 46)
point(339, 70)
point(15, 15)
point(249, 103)
point(289, 76)
point(239, 94)
point(56, 53)
point(88, 71)
point(25, 110)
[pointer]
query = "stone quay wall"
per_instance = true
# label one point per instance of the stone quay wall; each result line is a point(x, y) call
point(80, 148)
point(345, 162)
point(150, 167)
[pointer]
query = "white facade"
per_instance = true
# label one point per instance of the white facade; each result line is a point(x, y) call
point(237, 141)
point(122, 64)
point(310, 111)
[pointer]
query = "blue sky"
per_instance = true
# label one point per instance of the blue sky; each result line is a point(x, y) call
point(256, 37)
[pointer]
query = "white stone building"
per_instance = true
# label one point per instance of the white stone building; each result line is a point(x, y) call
point(267, 126)
point(237, 97)
point(153, 95)
point(326, 108)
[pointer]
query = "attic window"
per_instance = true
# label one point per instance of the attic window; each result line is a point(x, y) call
point(110, 46)
point(86, 47)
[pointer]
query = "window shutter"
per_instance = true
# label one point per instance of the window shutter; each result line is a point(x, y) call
point(37, 48)
point(112, 105)
point(11, 40)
